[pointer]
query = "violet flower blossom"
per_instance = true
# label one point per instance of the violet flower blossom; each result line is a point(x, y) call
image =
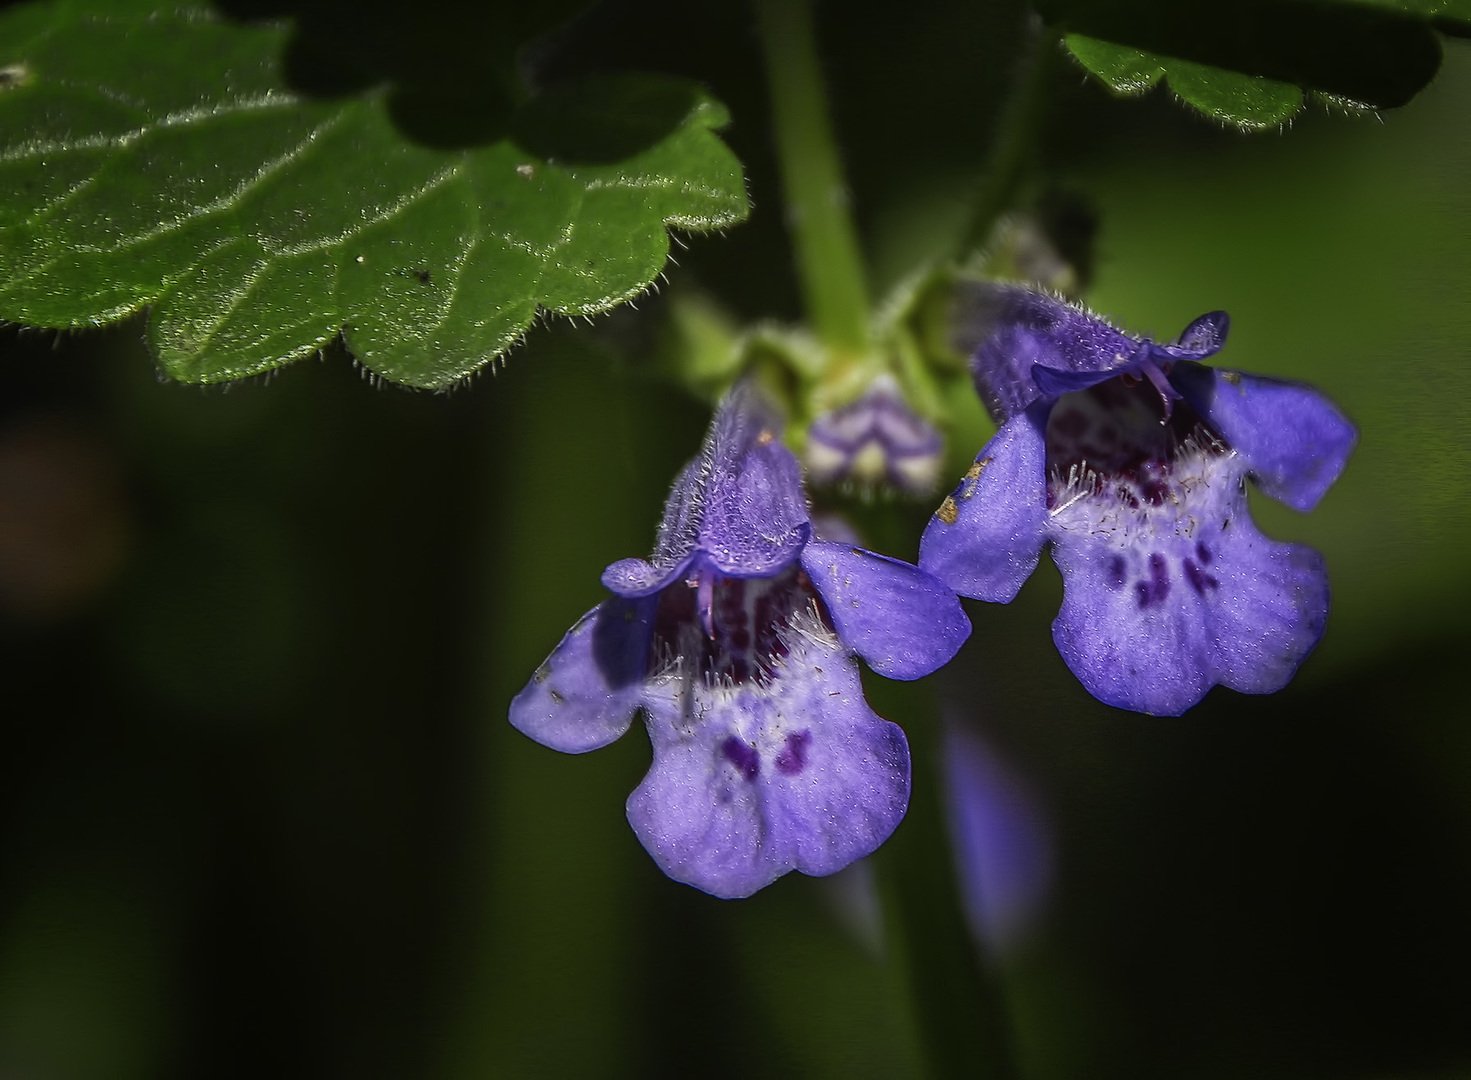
point(736, 640)
point(875, 440)
point(1130, 457)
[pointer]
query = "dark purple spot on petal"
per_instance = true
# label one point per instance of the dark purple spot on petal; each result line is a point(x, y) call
point(1154, 590)
point(1199, 580)
point(1204, 553)
point(793, 757)
point(1116, 572)
point(742, 755)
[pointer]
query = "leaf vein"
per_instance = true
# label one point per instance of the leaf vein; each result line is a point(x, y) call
point(393, 210)
point(30, 151)
point(225, 202)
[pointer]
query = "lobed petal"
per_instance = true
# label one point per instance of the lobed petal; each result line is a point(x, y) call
point(634, 579)
point(1294, 441)
point(987, 536)
point(585, 694)
point(904, 622)
point(1204, 337)
point(1154, 624)
point(752, 781)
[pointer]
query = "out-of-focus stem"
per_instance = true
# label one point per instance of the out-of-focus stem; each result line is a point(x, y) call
point(1015, 135)
point(829, 263)
point(956, 992)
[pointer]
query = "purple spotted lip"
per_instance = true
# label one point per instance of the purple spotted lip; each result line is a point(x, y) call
point(737, 641)
point(1129, 458)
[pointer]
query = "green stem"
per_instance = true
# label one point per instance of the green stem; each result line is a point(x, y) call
point(1014, 140)
point(829, 263)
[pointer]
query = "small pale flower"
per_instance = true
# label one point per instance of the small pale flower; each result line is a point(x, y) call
point(736, 641)
point(876, 441)
point(1130, 458)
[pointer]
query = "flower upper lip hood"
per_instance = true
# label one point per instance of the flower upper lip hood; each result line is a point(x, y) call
point(1128, 457)
point(736, 641)
point(738, 508)
point(1027, 345)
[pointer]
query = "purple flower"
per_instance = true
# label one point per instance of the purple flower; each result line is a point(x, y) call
point(1000, 838)
point(1130, 458)
point(737, 640)
point(876, 440)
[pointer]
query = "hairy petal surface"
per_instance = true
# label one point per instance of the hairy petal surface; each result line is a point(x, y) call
point(633, 579)
point(738, 508)
point(585, 693)
point(739, 504)
point(755, 514)
point(1008, 329)
point(754, 780)
point(986, 538)
point(1293, 439)
point(904, 622)
point(1154, 623)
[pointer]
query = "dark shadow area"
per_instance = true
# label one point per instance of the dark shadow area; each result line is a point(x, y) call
point(458, 73)
point(1274, 882)
point(1373, 56)
point(608, 119)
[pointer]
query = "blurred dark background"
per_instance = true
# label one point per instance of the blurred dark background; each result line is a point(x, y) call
point(261, 812)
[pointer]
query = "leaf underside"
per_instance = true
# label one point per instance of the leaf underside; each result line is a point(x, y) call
point(161, 160)
point(1251, 64)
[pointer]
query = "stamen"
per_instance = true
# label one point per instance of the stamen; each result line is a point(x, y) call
point(1168, 395)
point(705, 602)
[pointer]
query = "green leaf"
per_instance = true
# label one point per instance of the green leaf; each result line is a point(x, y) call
point(164, 159)
point(1248, 102)
point(1252, 63)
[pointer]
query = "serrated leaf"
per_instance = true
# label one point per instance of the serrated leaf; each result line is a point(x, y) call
point(1126, 71)
point(162, 159)
point(1252, 63)
point(1248, 102)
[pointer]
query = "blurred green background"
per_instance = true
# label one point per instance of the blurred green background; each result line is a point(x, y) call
point(261, 812)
